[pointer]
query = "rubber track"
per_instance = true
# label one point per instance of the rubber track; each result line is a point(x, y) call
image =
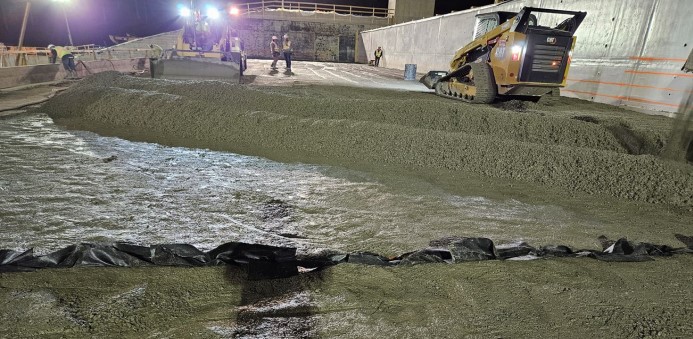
point(485, 94)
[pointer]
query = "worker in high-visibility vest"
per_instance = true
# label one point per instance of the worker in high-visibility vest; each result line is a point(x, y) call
point(288, 50)
point(274, 49)
point(155, 51)
point(68, 60)
point(378, 55)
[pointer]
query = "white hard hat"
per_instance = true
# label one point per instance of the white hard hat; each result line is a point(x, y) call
point(274, 37)
point(286, 36)
point(51, 46)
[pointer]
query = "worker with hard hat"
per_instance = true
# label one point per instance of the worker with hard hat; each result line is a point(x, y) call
point(288, 50)
point(155, 51)
point(68, 60)
point(274, 49)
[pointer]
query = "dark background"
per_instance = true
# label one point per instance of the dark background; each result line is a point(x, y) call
point(91, 21)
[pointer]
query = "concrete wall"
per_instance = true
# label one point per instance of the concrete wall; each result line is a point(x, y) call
point(25, 75)
point(315, 41)
point(408, 10)
point(325, 40)
point(627, 52)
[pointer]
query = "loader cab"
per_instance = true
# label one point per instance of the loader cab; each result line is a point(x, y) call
point(201, 35)
point(551, 21)
point(546, 49)
point(488, 21)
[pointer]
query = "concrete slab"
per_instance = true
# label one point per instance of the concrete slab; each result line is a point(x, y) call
point(13, 100)
point(260, 73)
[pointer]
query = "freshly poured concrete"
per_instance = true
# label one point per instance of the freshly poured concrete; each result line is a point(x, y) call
point(570, 146)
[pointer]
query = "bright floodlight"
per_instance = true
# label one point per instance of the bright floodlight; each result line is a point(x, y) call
point(184, 11)
point(233, 11)
point(212, 13)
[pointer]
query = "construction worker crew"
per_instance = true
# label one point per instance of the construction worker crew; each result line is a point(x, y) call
point(274, 49)
point(286, 48)
point(378, 55)
point(155, 51)
point(68, 60)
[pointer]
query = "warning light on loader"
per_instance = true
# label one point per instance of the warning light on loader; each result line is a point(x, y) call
point(516, 50)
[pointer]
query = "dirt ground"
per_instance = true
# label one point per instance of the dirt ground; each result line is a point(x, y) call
point(593, 157)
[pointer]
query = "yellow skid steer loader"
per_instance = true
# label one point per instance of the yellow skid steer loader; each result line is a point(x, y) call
point(525, 54)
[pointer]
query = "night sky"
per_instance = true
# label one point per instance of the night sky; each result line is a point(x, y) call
point(91, 21)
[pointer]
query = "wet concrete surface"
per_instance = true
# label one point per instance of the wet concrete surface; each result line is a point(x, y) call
point(260, 73)
point(612, 153)
point(59, 187)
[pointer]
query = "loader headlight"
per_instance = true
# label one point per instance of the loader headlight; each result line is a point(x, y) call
point(212, 13)
point(184, 11)
point(516, 51)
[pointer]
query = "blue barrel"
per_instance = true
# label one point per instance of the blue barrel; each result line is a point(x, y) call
point(410, 72)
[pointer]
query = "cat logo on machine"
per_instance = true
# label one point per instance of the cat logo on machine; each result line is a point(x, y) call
point(551, 40)
point(500, 49)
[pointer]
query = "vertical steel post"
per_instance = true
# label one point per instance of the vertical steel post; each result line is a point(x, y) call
point(21, 56)
point(67, 24)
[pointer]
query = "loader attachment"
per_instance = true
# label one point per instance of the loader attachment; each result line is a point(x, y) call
point(195, 69)
point(431, 78)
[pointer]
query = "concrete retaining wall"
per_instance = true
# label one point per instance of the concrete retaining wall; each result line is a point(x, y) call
point(627, 52)
point(314, 41)
point(26, 75)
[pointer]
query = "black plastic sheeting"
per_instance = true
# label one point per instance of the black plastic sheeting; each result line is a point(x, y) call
point(260, 261)
point(271, 262)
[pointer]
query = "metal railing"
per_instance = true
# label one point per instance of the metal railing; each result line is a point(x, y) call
point(282, 5)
